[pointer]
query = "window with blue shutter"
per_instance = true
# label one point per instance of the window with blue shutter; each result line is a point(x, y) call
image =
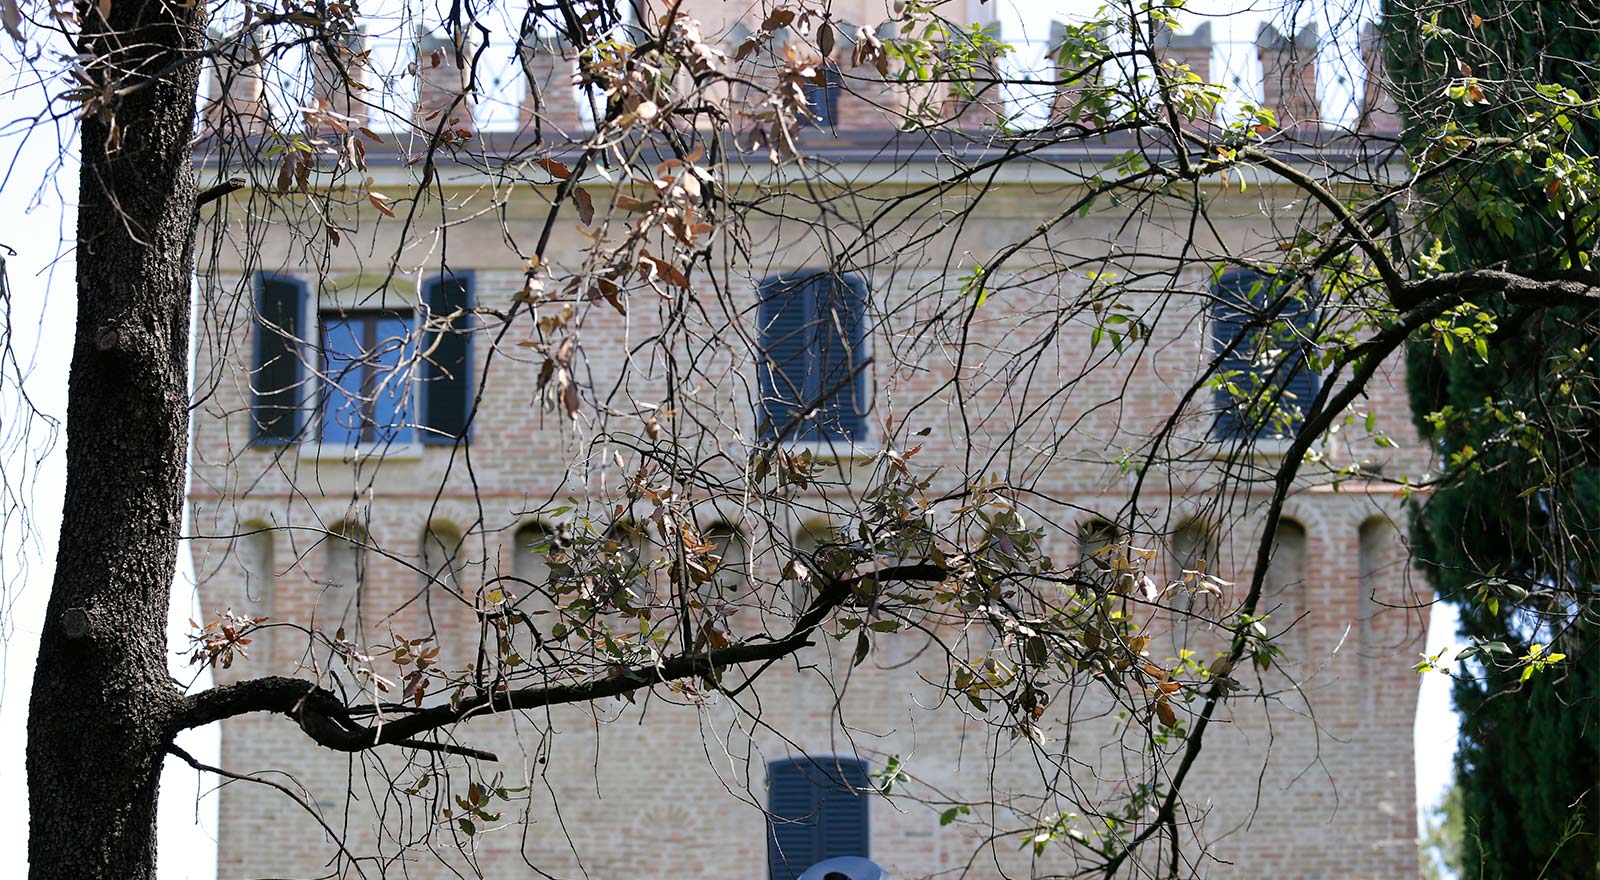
point(366, 399)
point(813, 352)
point(275, 376)
point(824, 97)
point(1272, 382)
point(447, 370)
point(818, 810)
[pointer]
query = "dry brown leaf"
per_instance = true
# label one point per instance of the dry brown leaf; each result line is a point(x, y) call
point(558, 170)
point(663, 269)
point(381, 202)
point(585, 205)
point(11, 17)
point(569, 399)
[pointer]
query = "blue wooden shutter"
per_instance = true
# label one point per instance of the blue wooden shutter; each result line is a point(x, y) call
point(446, 375)
point(1230, 311)
point(1290, 384)
point(792, 829)
point(840, 347)
point(787, 381)
point(818, 811)
point(844, 826)
point(275, 377)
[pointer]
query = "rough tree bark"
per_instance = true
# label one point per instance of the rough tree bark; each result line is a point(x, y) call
point(103, 708)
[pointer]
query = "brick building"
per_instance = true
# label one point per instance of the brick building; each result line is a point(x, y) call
point(368, 515)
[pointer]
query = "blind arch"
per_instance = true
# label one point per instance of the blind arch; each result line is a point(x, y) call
point(253, 553)
point(441, 556)
point(1283, 593)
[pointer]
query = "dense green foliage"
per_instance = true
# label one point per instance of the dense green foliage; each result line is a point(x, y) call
point(1510, 532)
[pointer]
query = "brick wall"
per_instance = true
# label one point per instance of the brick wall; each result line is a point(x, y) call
point(1306, 779)
point(1307, 774)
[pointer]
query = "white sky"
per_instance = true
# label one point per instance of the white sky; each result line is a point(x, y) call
point(36, 200)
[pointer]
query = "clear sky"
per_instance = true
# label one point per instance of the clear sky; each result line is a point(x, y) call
point(37, 198)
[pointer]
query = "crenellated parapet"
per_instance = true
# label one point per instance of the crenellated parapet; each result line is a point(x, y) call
point(858, 94)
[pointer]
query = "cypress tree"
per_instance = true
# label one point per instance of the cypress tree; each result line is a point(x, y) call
point(1509, 533)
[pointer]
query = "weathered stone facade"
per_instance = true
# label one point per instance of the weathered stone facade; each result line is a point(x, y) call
point(1308, 775)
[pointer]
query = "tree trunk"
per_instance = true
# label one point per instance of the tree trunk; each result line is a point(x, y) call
point(103, 706)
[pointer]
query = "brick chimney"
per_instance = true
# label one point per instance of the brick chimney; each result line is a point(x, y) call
point(442, 83)
point(338, 80)
point(1379, 112)
point(868, 101)
point(730, 97)
point(1063, 108)
point(551, 106)
point(1289, 75)
point(986, 105)
point(1192, 49)
point(237, 105)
